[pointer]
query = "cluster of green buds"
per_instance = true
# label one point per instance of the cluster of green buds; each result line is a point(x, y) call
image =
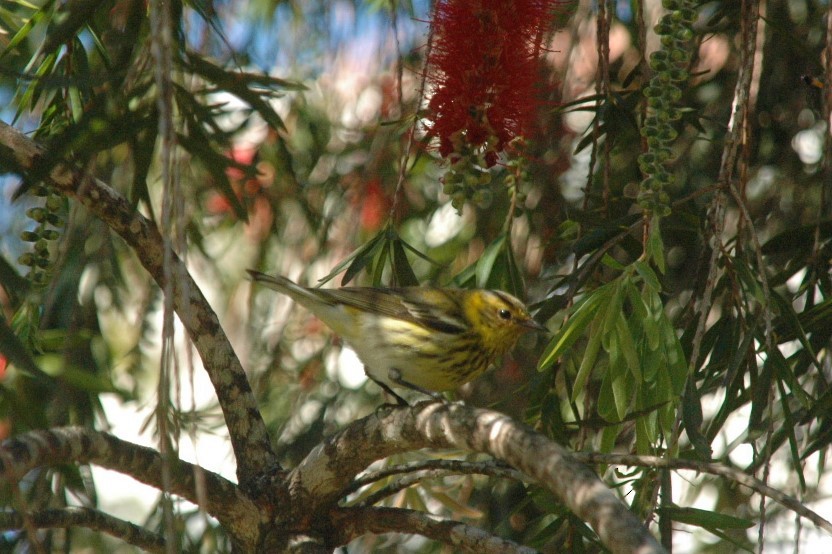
point(48, 220)
point(518, 173)
point(468, 178)
point(670, 66)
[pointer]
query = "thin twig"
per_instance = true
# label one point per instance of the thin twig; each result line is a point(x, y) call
point(412, 132)
point(734, 475)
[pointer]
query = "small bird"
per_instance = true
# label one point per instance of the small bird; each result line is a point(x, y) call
point(425, 339)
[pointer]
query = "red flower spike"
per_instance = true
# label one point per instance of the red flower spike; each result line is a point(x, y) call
point(484, 67)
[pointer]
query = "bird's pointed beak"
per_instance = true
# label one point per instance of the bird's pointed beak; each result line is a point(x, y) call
point(533, 325)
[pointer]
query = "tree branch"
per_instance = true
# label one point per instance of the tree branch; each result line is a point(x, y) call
point(354, 522)
point(428, 469)
point(223, 499)
point(735, 475)
point(320, 480)
point(249, 438)
point(91, 519)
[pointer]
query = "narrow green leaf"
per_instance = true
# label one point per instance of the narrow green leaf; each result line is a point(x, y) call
point(614, 305)
point(648, 275)
point(622, 394)
point(379, 262)
point(574, 327)
point(27, 27)
point(790, 321)
point(402, 272)
point(588, 360)
point(692, 419)
point(419, 254)
point(790, 422)
point(760, 398)
point(655, 245)
point(609, 437)
point(628, 348)
point(364, 253)
point(785, 373)
point(15, 351)
point(489, 257)
point(647, 301)
point(705, 518)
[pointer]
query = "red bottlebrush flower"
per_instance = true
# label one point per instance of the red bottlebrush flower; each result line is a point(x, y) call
point(484, 67)
point(373, 206)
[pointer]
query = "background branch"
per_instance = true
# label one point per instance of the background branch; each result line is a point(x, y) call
point(91, 519)
point(68, 445)
point(735, 475)
point(354, 522)
point(251, 444)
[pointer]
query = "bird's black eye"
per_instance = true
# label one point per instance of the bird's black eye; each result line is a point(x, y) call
point(504, 314)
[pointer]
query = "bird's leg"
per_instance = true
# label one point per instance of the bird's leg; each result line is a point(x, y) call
point(396, 376)
point(399, 400)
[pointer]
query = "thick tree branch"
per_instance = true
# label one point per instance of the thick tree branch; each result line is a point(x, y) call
point(320, 480)
point(249, 439)
point(355, 522)
point(91, 519)
point(223, 499)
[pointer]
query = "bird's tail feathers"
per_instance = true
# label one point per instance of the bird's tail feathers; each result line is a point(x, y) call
point(283, 285)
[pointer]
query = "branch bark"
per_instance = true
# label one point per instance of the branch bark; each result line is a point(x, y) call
point(223, 499)
point(319, 481)
point(91, 519)
point(249, 439)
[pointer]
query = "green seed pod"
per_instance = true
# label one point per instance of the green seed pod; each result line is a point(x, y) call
point(663, 28)
point(652, 91)
point(42, 262)
point(50, 234)
point(29, 236)
point(663, 155)
point(38, 277)
point(37, 214)
point(659, 65)
point(649, 131)
point(654, 142)
point(657, 102)
point(673, 93)
point(660, 55)
point(54, 203)
point(679, 75)
point(27, 259)
point(664, 178)
point(42, 246)
point(689, 15)
point(668, 41)
point(53, 219)
point(647, 157)
point(684, 34)
point(668, 134)
point(679, 55)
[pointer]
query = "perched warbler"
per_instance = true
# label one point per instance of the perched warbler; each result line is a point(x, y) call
point(426, 339)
